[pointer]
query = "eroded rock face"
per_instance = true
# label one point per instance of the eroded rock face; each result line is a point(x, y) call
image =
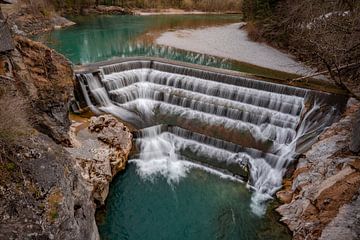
point(42, 193)
point(346, 224)
point(102, 151)
point(326, 179)
point(46, 79)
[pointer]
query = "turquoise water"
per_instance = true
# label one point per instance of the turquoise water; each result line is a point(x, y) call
point(97, 38)
point(200, 206)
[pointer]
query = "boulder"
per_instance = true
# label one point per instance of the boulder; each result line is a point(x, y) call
point(46, 79)
point(101, 151)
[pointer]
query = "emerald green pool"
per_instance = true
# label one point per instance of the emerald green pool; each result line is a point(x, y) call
point(199, 206)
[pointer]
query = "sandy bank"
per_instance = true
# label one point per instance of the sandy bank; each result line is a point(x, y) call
point(231, 42)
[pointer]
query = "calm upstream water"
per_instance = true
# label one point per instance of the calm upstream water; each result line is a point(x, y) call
point(200, 204)
point(97, 38)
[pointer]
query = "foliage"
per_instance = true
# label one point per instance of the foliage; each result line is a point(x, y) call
point(54, 200)
point(205, 5)
point(40, 6)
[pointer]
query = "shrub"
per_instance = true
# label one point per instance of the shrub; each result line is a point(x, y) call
point(254, 33)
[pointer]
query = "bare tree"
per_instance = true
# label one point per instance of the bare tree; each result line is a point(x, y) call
point(326, 35)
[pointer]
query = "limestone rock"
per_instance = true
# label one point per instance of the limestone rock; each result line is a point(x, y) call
point(284, 196)
point(61, 22)
point(102, 151)
point(326, 180)
point(346, 224)
point(46, 78)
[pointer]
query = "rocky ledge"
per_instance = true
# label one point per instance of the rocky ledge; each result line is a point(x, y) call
point(51, 174)
point(101, 150)
point(321, 199)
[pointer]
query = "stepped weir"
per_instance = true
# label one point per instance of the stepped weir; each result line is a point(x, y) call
point(190, 116)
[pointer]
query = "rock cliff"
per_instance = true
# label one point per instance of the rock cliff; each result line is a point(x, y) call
point(321, 198)
point(42, 193)
point(45, 78)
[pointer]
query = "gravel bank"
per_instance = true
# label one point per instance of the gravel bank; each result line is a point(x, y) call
point(231, 42)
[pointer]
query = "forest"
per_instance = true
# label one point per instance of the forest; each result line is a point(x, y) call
point(204, 5)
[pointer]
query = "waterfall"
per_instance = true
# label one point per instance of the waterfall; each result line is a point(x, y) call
point(232, 126)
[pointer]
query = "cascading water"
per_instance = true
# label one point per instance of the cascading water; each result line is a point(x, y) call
point(221, 123)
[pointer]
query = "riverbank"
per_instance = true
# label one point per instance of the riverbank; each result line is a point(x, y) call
point(231, 42)
point(28, 20)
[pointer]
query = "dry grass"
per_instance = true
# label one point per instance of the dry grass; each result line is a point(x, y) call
point(53, 203)
point(13, 117)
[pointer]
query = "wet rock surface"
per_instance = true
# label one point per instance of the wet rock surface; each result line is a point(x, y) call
point(101, 150)
point(321, 197)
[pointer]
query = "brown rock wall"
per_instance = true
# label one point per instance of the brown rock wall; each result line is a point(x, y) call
point(326, 179)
